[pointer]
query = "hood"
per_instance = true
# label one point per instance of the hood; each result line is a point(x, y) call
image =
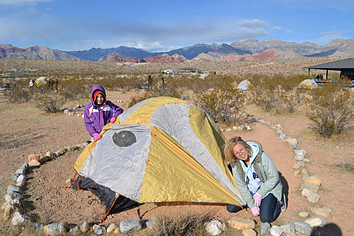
point(95, 88)
point(255, 149)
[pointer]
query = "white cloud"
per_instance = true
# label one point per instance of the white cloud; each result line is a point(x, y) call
point(21, 2)
point(328, 36)
point(277, 28)
point(254, 23)
point(81, 34)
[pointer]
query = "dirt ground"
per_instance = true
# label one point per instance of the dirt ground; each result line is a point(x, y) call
point(27, 130)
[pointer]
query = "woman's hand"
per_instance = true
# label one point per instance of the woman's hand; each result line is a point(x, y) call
point(255, 211)
point(257, 199)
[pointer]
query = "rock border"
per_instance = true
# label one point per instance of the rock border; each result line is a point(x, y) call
point(309, 188)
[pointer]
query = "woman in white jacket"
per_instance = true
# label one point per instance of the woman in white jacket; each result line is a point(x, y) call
point(256, 178)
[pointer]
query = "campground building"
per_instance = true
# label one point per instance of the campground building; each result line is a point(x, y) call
point(346, 68)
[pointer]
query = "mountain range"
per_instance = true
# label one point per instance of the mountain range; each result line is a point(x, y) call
point(243, 50)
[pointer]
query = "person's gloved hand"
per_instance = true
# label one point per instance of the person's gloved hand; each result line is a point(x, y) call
point(257, 199)
point(97, 136)
point(113, 119)
point(255, 211)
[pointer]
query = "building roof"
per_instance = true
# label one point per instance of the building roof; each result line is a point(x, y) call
point(346, 64)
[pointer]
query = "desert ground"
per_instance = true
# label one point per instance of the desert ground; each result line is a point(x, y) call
point(27, 130)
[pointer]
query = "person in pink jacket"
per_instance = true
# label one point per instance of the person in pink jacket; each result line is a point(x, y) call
point(99, 112)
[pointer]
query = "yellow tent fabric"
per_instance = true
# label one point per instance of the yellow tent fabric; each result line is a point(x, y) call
point(193, 184)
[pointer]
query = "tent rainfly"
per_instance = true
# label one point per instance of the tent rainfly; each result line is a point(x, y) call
point(162, 149)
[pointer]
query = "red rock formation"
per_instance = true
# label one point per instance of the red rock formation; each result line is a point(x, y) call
point(167, 58)
point(267, 55)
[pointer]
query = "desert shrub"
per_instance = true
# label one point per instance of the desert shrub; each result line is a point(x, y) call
point(330, 109)
point(50, 102)
point(284, 100)
point(290, 99)
point(180, 225)
point(18, 94)
point(169, 89)
point(75, 88)
point(262, 98)
point(276, 92)
point(293, 81)
point(223, 103)
point(346, 165)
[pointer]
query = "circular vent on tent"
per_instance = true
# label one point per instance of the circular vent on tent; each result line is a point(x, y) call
point(124, 138)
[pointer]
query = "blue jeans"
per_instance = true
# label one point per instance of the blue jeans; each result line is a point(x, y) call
point(269, 209)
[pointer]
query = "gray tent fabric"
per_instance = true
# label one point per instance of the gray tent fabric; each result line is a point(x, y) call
point(243, 86)
point(109, 169)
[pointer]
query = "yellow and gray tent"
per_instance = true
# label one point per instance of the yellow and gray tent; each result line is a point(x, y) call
point(244, 85)
point(308, 84)
point(41, 81)
point(162, 149)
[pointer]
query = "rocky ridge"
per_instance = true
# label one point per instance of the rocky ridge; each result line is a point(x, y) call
point(34, 52)
point(197, 52)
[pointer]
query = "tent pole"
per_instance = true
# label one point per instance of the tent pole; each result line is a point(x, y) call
point(308, 73)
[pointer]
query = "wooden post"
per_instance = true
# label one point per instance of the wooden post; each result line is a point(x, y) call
point(308, 73)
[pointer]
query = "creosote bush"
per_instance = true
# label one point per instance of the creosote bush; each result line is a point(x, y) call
point(330, 109)
point(169, 89)
point(276, 93)
point(346, 165)
point(50, 102)
point(18, 94)
point(180, 225)
point(223, 103)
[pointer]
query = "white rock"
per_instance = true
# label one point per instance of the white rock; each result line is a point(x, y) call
point(111, 228)
point(19, 219)
point(276, 230)
point(213, 227)
point(316, 221)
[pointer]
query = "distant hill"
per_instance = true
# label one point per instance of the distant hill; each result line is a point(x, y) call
point(115, 57)
point(193, 51)
point(34, 52)
point(94, 54)
point(338, 47)
point(256, 47)
point(166, 58)
point(247, 49)
point(267, 55)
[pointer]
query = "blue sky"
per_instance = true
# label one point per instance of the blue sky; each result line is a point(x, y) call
point(164, 25)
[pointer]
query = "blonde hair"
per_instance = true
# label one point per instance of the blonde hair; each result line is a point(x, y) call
point(229, 146)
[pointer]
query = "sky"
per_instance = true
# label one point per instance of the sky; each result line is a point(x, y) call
point(72, 25)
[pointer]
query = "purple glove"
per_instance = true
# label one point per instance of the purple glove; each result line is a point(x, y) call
point(113, 119)
point(255, 211)
point(97, 136)
point(257, 199)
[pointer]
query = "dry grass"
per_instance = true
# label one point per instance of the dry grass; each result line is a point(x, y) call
point(180, 225)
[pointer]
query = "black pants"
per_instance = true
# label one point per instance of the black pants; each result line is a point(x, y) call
point(269, 209)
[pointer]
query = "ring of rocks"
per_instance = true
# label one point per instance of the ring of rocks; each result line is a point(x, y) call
point(309, 187)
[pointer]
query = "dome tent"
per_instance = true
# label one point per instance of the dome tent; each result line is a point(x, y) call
point(244, 85)
point(308, 84)
point(162, 149)
point(41, 81)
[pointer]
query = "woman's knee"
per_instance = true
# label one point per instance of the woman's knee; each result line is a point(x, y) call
point(266, 218)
